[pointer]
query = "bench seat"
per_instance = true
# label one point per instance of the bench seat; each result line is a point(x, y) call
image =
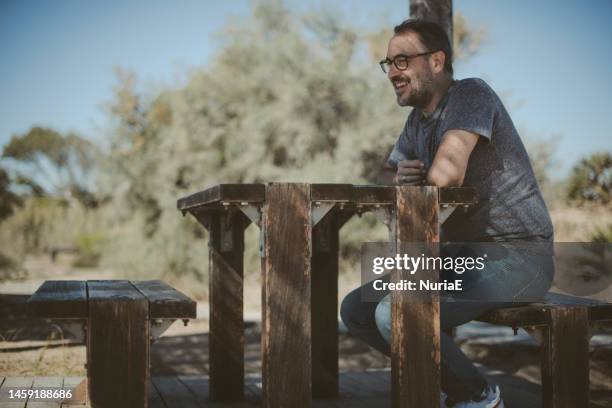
point(69, 299)
point(563, 326)
point(119, 320)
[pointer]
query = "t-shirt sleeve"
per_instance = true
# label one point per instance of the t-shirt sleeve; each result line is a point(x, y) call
point(472, 107)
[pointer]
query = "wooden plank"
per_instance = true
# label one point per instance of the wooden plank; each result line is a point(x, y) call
point(117, 345)
point(536, 314)
point(331, 192)
point(565, 362)
point(226, 338)
point(155, 400)
point(325, 308)
point(78, 388)
point(14, 383)
point(252, 193)
point(516, 316)
point(415, 340)
point(59, 299)
point(46, 383)
point(286, 326)
point(199, 387)
point(457, 195)
point(165, 301)
point(174, 393)
point(374, 195)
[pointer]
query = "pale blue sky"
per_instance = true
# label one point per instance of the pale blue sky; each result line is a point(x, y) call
point(551, 59)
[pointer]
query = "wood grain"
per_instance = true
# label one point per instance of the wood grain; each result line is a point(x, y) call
point(223, 192)
point(325, 307)
point(165, 301)
point(226, 345)
point(565, 362)
point(117, 345)
point(286, 333)
point(59, 299)
point(415, 340)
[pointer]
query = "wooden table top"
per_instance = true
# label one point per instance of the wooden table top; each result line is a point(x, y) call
point(215, 196)
point(70, 299)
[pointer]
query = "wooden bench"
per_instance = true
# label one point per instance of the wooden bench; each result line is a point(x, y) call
point(563, 326)
point(119, 319)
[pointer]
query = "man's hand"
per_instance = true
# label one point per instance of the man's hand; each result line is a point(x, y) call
point(410, 172)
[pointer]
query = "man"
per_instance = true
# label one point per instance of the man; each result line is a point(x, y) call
point(460, 134)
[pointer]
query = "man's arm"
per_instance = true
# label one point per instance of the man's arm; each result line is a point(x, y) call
point(451, 160)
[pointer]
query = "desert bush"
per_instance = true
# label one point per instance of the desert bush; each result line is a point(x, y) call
point(602, 235)
point(591, 180)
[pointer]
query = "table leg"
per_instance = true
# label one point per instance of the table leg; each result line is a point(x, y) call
point(325, 308)
point(286, 333)
point(565, 362)
point(415, 342)
point(226, 334)
point(117, 345)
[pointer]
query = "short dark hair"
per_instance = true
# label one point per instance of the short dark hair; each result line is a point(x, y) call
point(432, 36)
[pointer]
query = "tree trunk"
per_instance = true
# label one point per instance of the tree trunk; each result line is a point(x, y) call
point(437, 11)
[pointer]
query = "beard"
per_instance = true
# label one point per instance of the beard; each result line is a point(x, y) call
point(421, 92)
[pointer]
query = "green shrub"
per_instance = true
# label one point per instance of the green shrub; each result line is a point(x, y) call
point(591, 179)
point(89, 249)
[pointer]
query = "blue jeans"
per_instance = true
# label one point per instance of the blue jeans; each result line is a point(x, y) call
point(515, 278)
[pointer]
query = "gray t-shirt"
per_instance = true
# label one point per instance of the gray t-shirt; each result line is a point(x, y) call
point(510, 205)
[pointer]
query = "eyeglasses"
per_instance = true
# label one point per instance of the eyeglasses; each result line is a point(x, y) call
point(401, 61)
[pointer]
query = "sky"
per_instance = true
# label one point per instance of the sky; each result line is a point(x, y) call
point(550, 60)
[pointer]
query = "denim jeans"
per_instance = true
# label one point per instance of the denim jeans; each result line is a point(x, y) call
point(517, 277)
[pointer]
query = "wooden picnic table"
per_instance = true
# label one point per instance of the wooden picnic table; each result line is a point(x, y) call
point(118, 320)
point(299, 225)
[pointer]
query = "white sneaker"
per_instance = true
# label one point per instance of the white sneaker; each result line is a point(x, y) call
point(443, 397)
point(492, 400)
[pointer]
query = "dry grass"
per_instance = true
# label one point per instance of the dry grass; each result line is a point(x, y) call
point(576, 224)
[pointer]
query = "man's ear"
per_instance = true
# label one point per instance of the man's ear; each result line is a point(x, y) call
point(437, 60)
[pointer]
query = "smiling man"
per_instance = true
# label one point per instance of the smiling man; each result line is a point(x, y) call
point(459, 134)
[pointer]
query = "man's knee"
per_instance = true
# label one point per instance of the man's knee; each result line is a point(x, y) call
point(382, 316)
point(354, 313)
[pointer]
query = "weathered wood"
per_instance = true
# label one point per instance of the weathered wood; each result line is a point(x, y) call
point(165, 301)
point(155, 400)
point(415, 340)
point(199, 387)
point(59, 299)
point(174, 393)
point(537, 314)
point(117, 345)
point(565, 362)
point(22, 383)
point(325, 307)
point(457, 195)
point(331, 192)
point(252, 193)
point(226, 341)
point(286, 331)
point(374, 195)
point(46, 383)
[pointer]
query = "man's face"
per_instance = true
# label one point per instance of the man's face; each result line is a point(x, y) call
point(415, 85)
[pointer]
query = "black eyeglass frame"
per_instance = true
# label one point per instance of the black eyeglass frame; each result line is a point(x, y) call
point(385, 63)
